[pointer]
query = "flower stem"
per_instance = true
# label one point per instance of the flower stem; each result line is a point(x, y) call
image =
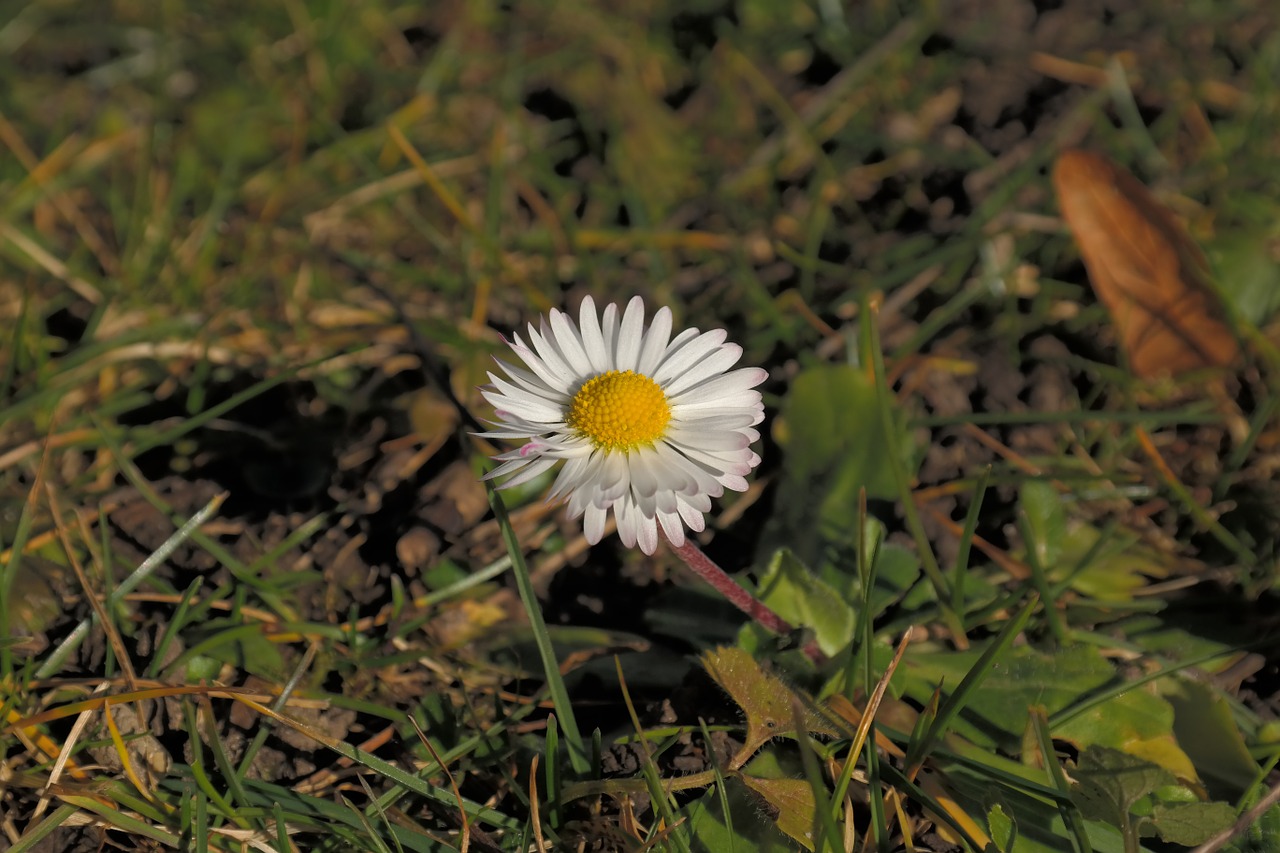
point(707, 569)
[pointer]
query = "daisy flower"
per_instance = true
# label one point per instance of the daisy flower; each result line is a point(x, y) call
point(647, 425)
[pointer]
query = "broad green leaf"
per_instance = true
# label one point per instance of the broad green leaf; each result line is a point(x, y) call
point(1108, 783)
point(1115, 569)
point(897, 570)
point(1190, 824)
point(1139, 797)
point(1038, 822)
point(1137, 722)
point(1004, 831)
point(831, 431)
point(765, 700)
point(1189, 631)
point(1046, 521)
point(1207, 731)
point(804, 600)
point(710, 829)
point(1021, 678)
point(1248, 274)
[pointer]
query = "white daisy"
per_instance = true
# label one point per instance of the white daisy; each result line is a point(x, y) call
point(650, 426)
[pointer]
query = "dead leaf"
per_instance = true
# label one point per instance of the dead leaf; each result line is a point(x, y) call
point(1144, 267)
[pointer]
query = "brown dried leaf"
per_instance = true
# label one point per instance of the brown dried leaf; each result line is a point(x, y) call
point(1144, 267)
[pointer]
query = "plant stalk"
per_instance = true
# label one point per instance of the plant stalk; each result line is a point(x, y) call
point(710, 571)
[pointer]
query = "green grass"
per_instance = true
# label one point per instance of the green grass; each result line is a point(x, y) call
point(255, 260)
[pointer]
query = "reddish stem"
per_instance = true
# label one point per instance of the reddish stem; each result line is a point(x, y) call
point(707, 569)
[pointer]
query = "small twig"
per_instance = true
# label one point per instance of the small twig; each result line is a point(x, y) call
point(707, 569)
point(1245, 821)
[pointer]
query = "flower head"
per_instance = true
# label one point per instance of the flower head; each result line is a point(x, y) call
point(648, 425)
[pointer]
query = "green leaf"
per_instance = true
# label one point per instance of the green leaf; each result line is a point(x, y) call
point(1108, 783)
point(712, 831)
point(1046, 521)
point(1126, 791)
point(797, 595)
point(1190, 824)
point(1136, 722)
point(834, 440)
point(1206, 730)
point(1021, 678)
point(1004, 831)
point(1114, 569)
point(1248, 274)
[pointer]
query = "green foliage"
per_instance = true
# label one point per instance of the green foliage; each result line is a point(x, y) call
point(1142, 799)
point(831, 430)
point(802, 598)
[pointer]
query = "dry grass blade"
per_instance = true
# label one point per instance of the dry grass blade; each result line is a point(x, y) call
point(462, 812)
point(535, 818)
point(1144, 267)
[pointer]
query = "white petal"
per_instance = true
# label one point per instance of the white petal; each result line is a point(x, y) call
point(671, 527)
point(534, 469)
point(683, 412)
point(671, 477)
point(548, 353)
point(647, 505)
point(707, 439)
point(630, 336)
point(593, 523)
point(655, 342)
point(592, 339)
point(736, 462)
point(627, 518)
point(529, 381)
point(559, 381)
point(728, 386)
point(608, 476)
point(571, 477)
point(525, 401)
point(570, 343)
point(679, 341)
point(692, 516)
point(713, 365)
point(647, 534)
point(703, 480)
point(676, 363)
point(737, 420)
point(609, 331)
point(509, 433)
point(644, 480)
point(506, 468)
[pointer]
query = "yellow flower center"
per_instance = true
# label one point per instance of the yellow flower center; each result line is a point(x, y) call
point(619, 410)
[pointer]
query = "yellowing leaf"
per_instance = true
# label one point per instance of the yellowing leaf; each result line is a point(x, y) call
point(1135, 722)
point(765, 700)
point(790, 805)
